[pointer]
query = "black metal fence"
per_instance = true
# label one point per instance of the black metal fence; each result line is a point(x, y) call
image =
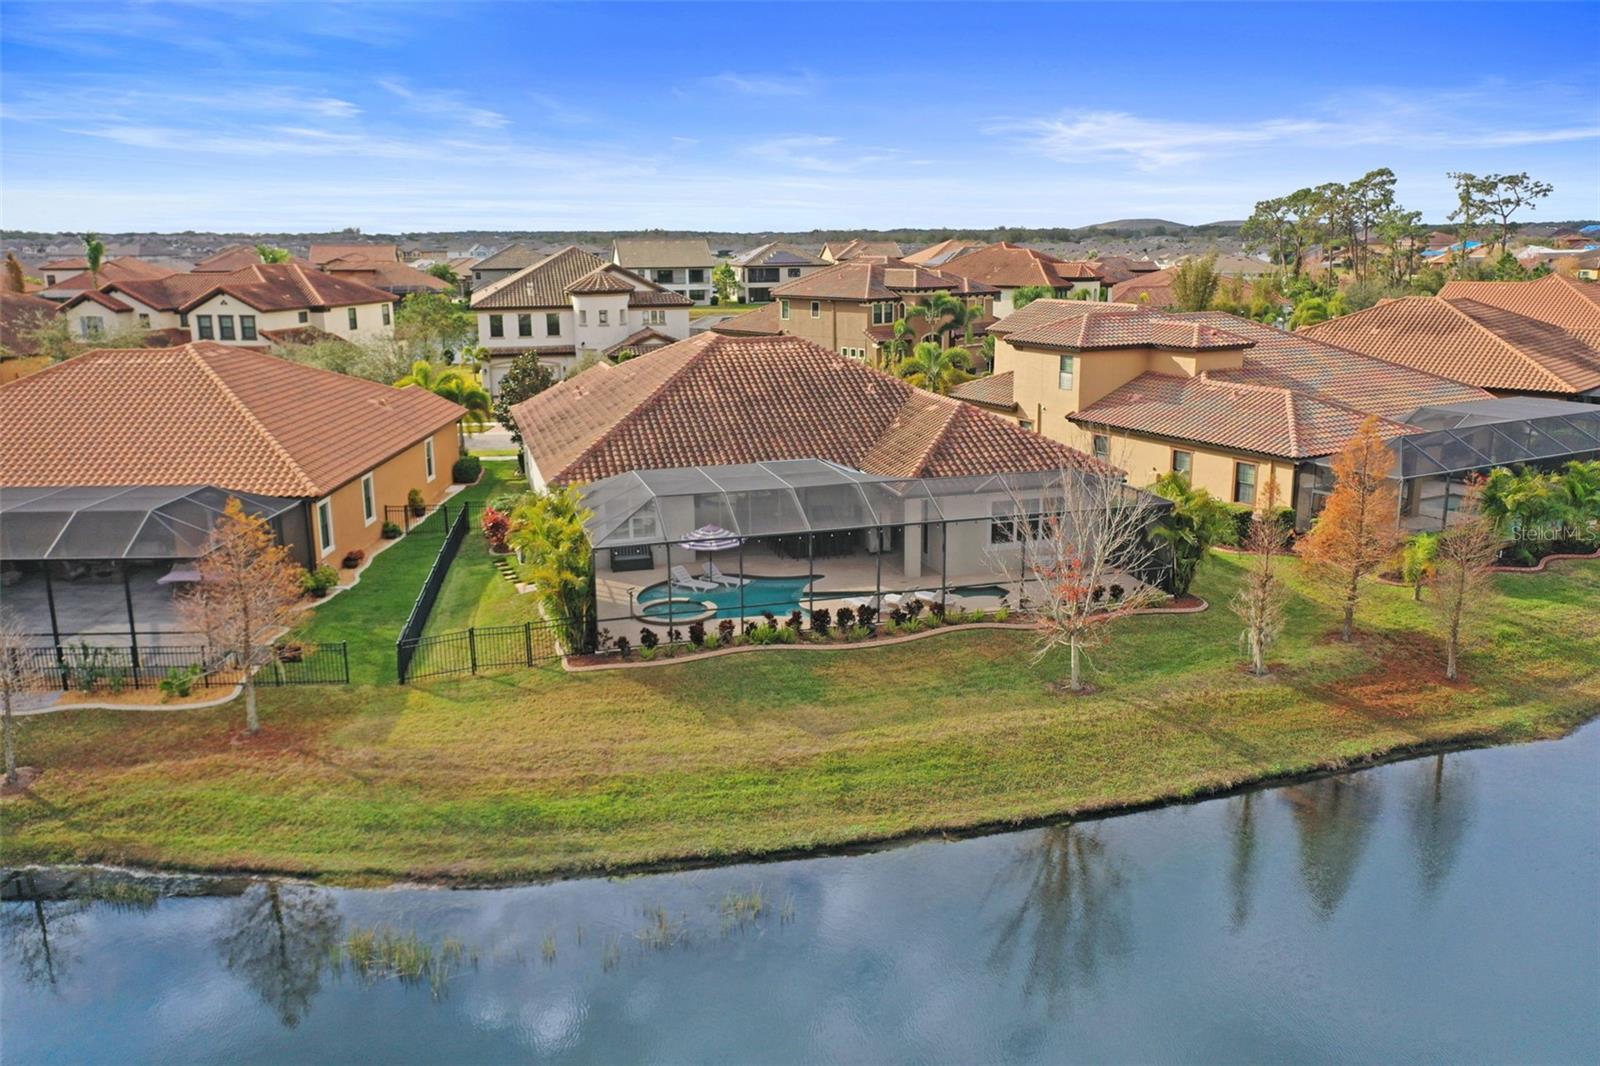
point(470, 651)
point(408, 519)
point(411, 633)
point(89, 667)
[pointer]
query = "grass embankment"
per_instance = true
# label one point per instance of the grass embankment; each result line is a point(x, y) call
point(721, 309)
point(537, 772)
point(370, 614)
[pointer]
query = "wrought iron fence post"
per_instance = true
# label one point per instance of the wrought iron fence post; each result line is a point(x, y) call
point(472, 647)
point(344, 656)
point(527, 641)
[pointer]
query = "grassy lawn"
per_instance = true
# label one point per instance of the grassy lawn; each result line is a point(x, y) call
point(474, 593)
point(722, 309)
point(370, 614)
point(539, 772)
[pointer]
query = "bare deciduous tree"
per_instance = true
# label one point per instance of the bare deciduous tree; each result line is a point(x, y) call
point(1091, 539)
point(1466, 556)
point(1358, 531)
point(247, 591)
point(1260, 601)
point(14, 677)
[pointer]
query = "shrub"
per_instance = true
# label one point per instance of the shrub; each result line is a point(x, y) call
point(712, 642)
point(418, 505)
point(821, 621)
point(466, 469)
point(674, 635)
point(796, 621)
point(1002, 614)
point(846, 618)
point(648, 639)
point(353, 559)
point(316, 583)
point(547, 528)
point(392, 531)
point(697, 634)
point(496, 526)
point(859, 633)
point(1116, 592)
point(725, 630)
point(867, 616)
point(289, 652)
point(647, 653)
point(179, 681)
point(623, 647)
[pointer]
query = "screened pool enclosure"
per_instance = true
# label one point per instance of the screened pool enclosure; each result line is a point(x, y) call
point(702, 544)
point(1465, 440)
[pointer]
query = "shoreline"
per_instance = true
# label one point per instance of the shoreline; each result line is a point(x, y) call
point(383, 881)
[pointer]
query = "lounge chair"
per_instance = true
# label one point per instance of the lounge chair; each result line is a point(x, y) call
point(899, 599)
point(682, 578)
point(713, 574)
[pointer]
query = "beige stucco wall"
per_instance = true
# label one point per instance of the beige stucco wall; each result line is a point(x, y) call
point(336, 320)
point(392, 481)
point(1146, 458)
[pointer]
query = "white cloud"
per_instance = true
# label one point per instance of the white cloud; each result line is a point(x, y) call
point(443, 104)
point(803, 83)
point(818, 153)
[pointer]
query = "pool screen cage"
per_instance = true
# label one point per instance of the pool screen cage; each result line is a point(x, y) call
point(707, 544)
point(1462, 441)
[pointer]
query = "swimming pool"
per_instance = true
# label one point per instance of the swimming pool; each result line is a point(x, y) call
point(780, 595)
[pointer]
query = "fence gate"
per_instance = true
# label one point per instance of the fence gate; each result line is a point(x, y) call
point(472, 651)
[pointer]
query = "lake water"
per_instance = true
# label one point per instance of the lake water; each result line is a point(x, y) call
point(1443, 910)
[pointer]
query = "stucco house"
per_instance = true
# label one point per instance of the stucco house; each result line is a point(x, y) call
point(1009, 267)
point(767, 266)
point(682, 266)
point(573, 304)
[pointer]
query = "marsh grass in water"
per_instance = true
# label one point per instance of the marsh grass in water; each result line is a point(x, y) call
point(383, 953)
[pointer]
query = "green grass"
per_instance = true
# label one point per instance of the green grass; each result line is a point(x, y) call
point(531, 773)
point(370, 614)
point(722, 309)
point(474, 593)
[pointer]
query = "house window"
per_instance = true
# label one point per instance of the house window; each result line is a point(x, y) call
point(1064, 372)
point(351, 314)
point(605, 317)
point(1025, 423)
point(1102, 447)
point(524, 325)
point(386, 319)
point(697, 294)
point(305, 316)
point(92, 325)
point(202, 326)
point(583, 318)
point(144, 320)
point(663, 276)
point(1183, 463)
point(247, 327)
point(369, 500)
point(497, 326)
point(761, 274)
point(49, 279)
point(883, 314)
point(794, 272)
point(552, 324)
point(697, 277)
point(783, 309)
point(655, 318)
point(427, 457)
point(1244, 483)
point(325, 524)
point(622, 316)
point(816, 308)
point(225, 327)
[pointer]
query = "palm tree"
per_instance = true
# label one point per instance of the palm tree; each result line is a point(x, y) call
point(271, 254)
point(934, 368)
point(94, 253)
point(942, 312)
point(454, 383)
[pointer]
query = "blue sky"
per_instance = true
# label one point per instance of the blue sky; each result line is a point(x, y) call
point(300, 116)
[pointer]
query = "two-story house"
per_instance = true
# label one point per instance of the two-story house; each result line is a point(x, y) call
point(851, 307)
point(763, 268)
point(839, 251)
point(682, 265)
point(1009, 267)
point(504, 263)
point(571, 304)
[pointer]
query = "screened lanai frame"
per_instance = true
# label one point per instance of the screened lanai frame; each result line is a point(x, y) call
point(1461, 441)
point(820, 511)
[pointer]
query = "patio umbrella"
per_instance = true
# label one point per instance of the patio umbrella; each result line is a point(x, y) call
point(711, 538)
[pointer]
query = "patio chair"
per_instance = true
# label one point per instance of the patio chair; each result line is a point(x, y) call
point(714, 574)
point(683, 579)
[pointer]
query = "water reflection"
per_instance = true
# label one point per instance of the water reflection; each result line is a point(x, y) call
point(1334, 817)
point(1440, 804)
point(40, 933)
point(278, 938)
point(1241, 871)
point(1071, 917)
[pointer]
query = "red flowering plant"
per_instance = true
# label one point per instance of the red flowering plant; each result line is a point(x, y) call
point(496, 526)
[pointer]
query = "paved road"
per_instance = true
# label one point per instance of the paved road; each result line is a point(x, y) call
point(495, 437)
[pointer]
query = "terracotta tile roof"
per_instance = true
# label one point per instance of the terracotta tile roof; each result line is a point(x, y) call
point(511, 257)
point(762, 322)
point(324, 253)
point(1468, 341)
point(75, 262)
point(165, 294)
point(940, 252)
point(397, 278)
point(20, 316)
point(1125, 329)
point(1115, 269)
point(639, 253)
point(641, 341)
point(205, 413)
point(1572, 305)
point(871, 278)
point(1011, 266)
point(288, 287)
point(1152, 289)
point(715, 399)
point(774, 253)
point(106, 300)
point(996, 390)
point(1044, 312)
point(299, 335)
point(1228, 413)
point(551, 350)
point(237, 257)
point(839, 251)
point(127, 268)
point(551, 281)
